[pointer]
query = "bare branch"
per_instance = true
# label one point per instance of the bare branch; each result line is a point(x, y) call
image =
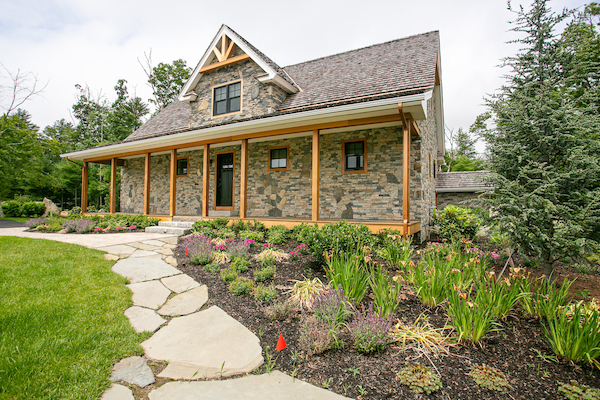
point(148, 69)
point(23, 86)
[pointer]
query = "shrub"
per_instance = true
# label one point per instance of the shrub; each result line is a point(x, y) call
point(489, 378)
point(278, 234)
point(33, 209)
point(199, 249)
point(11, 208)
point(280, 311)
point(75, 211)
point(369, 330)
point(256, 236)
point(238, 249)
point(576, 391)
point(256, 226)
point(241, 286)
point(213, 268)
point(264, 273)
point(224, 233)
point(240, 264)
point(54, 225)
point(386, 291)
point(304, 292)
point(574, 336)
point(349, 271)
point(315, 337)
point(419, 379)
point(341, 237)
point(228, 275)
point(212, 224)
point(239, 225)
point(265, 294)
point(454, 222)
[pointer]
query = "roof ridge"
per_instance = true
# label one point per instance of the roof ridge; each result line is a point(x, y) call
point(362, 48)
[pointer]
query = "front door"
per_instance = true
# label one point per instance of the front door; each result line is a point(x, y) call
point(224, 194)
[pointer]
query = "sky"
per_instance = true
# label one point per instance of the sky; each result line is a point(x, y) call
point(95, 43)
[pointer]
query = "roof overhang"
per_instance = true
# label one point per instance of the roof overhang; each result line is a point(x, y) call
point(416, 104)
point(187, 94)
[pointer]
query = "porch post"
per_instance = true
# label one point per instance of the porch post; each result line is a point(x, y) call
point(173, 174)
point(147, 184)
point(406, 176)
point(205, 179)
point(113, 185)
point(244, 178)
point(315, 175)
point(84, 187)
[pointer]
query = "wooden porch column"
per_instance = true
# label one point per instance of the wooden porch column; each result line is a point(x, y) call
point(84, 187)
point(205, 179)
point(406, 123)
point(113, 185)
point(173, 174)
point(315, 174)
point(244, 178)
point(147, 184)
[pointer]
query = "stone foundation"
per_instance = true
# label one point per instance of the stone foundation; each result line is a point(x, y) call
point(456, 198)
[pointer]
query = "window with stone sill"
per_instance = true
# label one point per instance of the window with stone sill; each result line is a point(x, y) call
point(182, 166)
point(227, 99)
point(354, 156)
point(278, 158)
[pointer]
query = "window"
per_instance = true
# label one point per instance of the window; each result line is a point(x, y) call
point(354, 156)
point(278, 158)
point(182, 166)
point(227, 99)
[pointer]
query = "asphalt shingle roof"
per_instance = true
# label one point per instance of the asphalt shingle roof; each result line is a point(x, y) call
point(461, 180)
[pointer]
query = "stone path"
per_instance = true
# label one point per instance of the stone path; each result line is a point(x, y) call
point(199, 344)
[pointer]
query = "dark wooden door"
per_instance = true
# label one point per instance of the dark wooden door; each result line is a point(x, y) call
point(224, 180)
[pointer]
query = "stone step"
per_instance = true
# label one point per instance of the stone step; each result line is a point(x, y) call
point(176, 224)
point(168, 230)
point(186, 218)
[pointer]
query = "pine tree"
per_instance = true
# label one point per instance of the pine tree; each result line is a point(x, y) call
point(546, 189)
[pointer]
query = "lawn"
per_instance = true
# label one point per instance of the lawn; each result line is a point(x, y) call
point(61, 320)
point(16, 219)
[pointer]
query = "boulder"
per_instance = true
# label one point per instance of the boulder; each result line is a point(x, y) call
point(50, 207)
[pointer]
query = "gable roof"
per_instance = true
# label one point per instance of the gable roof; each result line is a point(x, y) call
point(463, 181)
point(396, 68)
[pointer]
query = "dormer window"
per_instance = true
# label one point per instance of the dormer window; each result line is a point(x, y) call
point(227, 99)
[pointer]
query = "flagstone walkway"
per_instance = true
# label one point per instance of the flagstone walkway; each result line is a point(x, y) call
point(197, 343)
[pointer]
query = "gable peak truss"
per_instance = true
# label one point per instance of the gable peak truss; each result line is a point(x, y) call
point(220, 54)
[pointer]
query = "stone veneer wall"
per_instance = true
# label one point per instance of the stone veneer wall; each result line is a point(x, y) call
point(257, 98)
point(280, 193)
point(455, 198)
point(426, 165)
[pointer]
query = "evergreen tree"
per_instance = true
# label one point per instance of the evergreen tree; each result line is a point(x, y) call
point(546, 189)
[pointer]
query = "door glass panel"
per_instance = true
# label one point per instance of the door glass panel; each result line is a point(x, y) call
point(224, 195)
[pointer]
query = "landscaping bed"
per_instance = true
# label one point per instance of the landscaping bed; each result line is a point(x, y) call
point(81, 224)
point(519, 349)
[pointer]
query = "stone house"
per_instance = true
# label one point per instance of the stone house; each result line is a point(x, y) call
point(355, 136)
point(457, 188)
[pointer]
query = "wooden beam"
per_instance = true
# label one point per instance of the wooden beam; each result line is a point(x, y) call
point(147, 184)
point(223, 63)
point(173, 192)
point(205, 179)
point(262, 134)
point(229, 51)
point(84, 187)
point(113, 186)
point(244, 179)
point(405, 169)
point(315, 174)
point(223, 46)
point(218, 54)
point(120, 162)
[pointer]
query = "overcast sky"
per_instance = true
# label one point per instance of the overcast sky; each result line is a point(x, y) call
point(98, 42)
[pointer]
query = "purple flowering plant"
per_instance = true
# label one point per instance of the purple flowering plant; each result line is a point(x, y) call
point(369, 330)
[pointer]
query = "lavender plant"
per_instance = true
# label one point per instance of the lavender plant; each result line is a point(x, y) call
point(238, 249)
point(332, 306)
point(34, 222)
point(199, 249)
point(79, 226)
point(369, 330)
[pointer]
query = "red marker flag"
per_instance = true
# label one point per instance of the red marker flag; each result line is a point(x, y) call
point(281, 344)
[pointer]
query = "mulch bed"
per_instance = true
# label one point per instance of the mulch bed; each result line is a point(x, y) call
point(349, 373)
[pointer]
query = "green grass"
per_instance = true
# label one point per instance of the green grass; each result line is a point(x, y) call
point(17, 219)
point(61, 320)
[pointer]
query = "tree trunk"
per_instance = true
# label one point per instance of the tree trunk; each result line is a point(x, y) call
point(548, 269)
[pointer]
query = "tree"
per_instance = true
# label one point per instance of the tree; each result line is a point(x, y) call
point(126, 113)
point(166, 80)
point(546, 165)
point(461, 154)
point(21, 87)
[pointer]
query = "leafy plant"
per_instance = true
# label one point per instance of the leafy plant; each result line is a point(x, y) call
point(470, 318)
point(454, 222)
point(280, 311)
point(341, 237)
point(500, 297)
point(253, 235)
point(576, 391)
point(213, 268)
point(32, 209)
point(423, 335)
point(220, 257)
point(199, 249)
point(396, 251)
point(349, 271)
point(489, 378)
point(543, 297)
point(265, 294)
point(278, 234)
point(240, 264)
point(303, 292)
point(369, 330)
point(270, 256)
point(238, 249)
point(239, 225)
point(228, 275)
point(11, 208)
point(224, 233)
point(573, 335)
point(419, 379)
point(241, 286)
point(386, 291)
point(265, 273)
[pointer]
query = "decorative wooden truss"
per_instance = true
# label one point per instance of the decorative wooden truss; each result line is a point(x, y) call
point(223, 51)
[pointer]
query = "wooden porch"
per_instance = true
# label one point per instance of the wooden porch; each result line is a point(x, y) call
point(406, 226)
